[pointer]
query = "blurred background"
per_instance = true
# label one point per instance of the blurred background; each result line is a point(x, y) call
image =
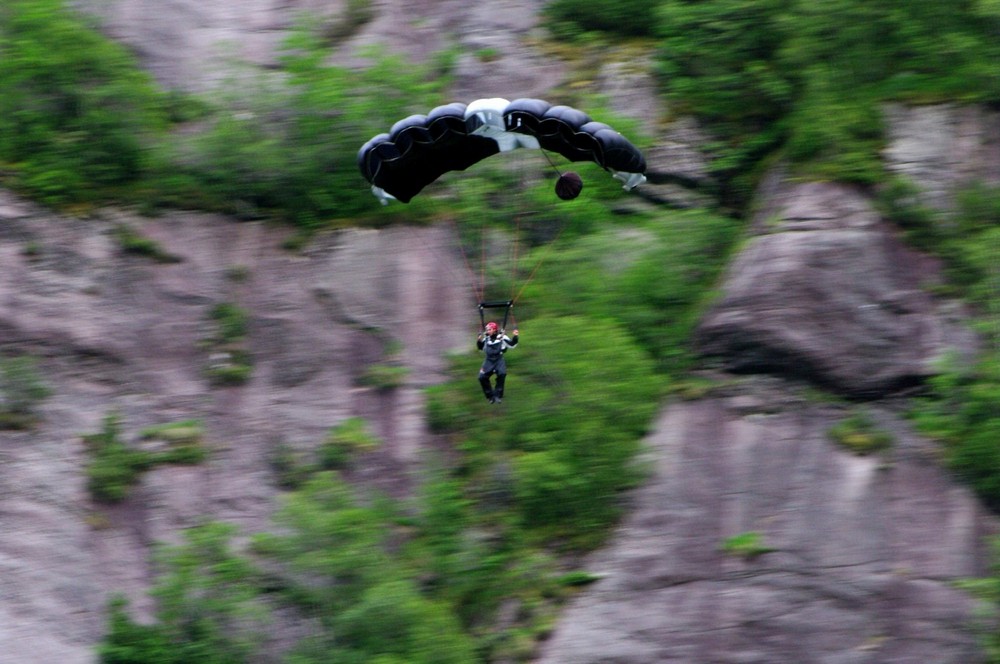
point(753, 415)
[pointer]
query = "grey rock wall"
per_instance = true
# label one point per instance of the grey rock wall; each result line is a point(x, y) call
point(864, 550)
point(118, 332)
point(824, 289)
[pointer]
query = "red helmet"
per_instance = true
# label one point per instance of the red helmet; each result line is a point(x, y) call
point(491, 328)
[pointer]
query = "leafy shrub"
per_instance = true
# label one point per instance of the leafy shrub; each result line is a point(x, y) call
point(290, 467)
point(747, 545)
point(384, 376)
point(21, 390)
point(231, 321)
point(229, 361)
point(817, 73)
point(230, 367)
point(77, 116)
point(392, 618)
point(132, 242)
point(571, 424)
point(651, 278)
point(835, 136)
point(960, 410)
point(184, 438)
point(287, 147)
point(859, 434)
point(624, 17)
point(345, 441)
point(898, 200)
point(184, 432)
point(986, 589)
point(114, 467)
point(207, 608)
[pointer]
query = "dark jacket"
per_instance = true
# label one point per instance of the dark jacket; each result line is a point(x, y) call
point(495, 347)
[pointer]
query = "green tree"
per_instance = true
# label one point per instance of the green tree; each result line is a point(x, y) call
point(650, 277)
point(77, 116)
point(811, 75)
point(288, 147)
point(342, 572)
point(207, 607)
point(624, 17)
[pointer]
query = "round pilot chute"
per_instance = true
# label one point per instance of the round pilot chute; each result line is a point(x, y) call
point(569, 185)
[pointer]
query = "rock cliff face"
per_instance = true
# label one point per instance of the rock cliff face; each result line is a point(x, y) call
point(194, 45)
point(826, 290)
point(121, 333)
point(860, 551)
point(863, 549)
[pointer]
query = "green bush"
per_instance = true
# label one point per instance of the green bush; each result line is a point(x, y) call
point(345, 441)
point(747, 545)
point(230, 363)
point(288, 148)
point(572, 419)
point(650, 277)
point(77, 116)
point(623, 17)
point(290, 467)
point(817, 73)
point(114, 467)
point(960, 410)
point(384, 376)
point(21, 391)
point(859, 434)
point(231, 321)
point(132, 242)
point(207, 609)
point(986, 589)
point(393, 618)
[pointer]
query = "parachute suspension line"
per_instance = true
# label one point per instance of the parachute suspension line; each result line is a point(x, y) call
point(482, 262)
point(562, 227)
point(551, 163)
point(538, 264)
point(515, 248)
point(477, 290)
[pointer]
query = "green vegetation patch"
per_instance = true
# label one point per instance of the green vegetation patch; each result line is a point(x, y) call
point(230, 362)
point(859, 434)
point(747, 545)
point(133, 242)
point(384, 376)
point(115, 466)
point(21, 392)
point(77, 115)
point(346, 441)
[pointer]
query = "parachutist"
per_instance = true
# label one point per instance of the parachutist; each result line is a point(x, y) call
point(494, 343)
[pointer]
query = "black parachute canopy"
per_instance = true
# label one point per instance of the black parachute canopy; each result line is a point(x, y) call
point(419, 149)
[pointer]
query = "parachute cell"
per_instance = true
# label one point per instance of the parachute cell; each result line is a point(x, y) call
point(418, 149)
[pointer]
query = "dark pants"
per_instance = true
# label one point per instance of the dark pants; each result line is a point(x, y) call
point(487, 370)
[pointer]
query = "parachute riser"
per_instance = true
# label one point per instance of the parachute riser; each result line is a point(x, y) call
point(506, 305)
